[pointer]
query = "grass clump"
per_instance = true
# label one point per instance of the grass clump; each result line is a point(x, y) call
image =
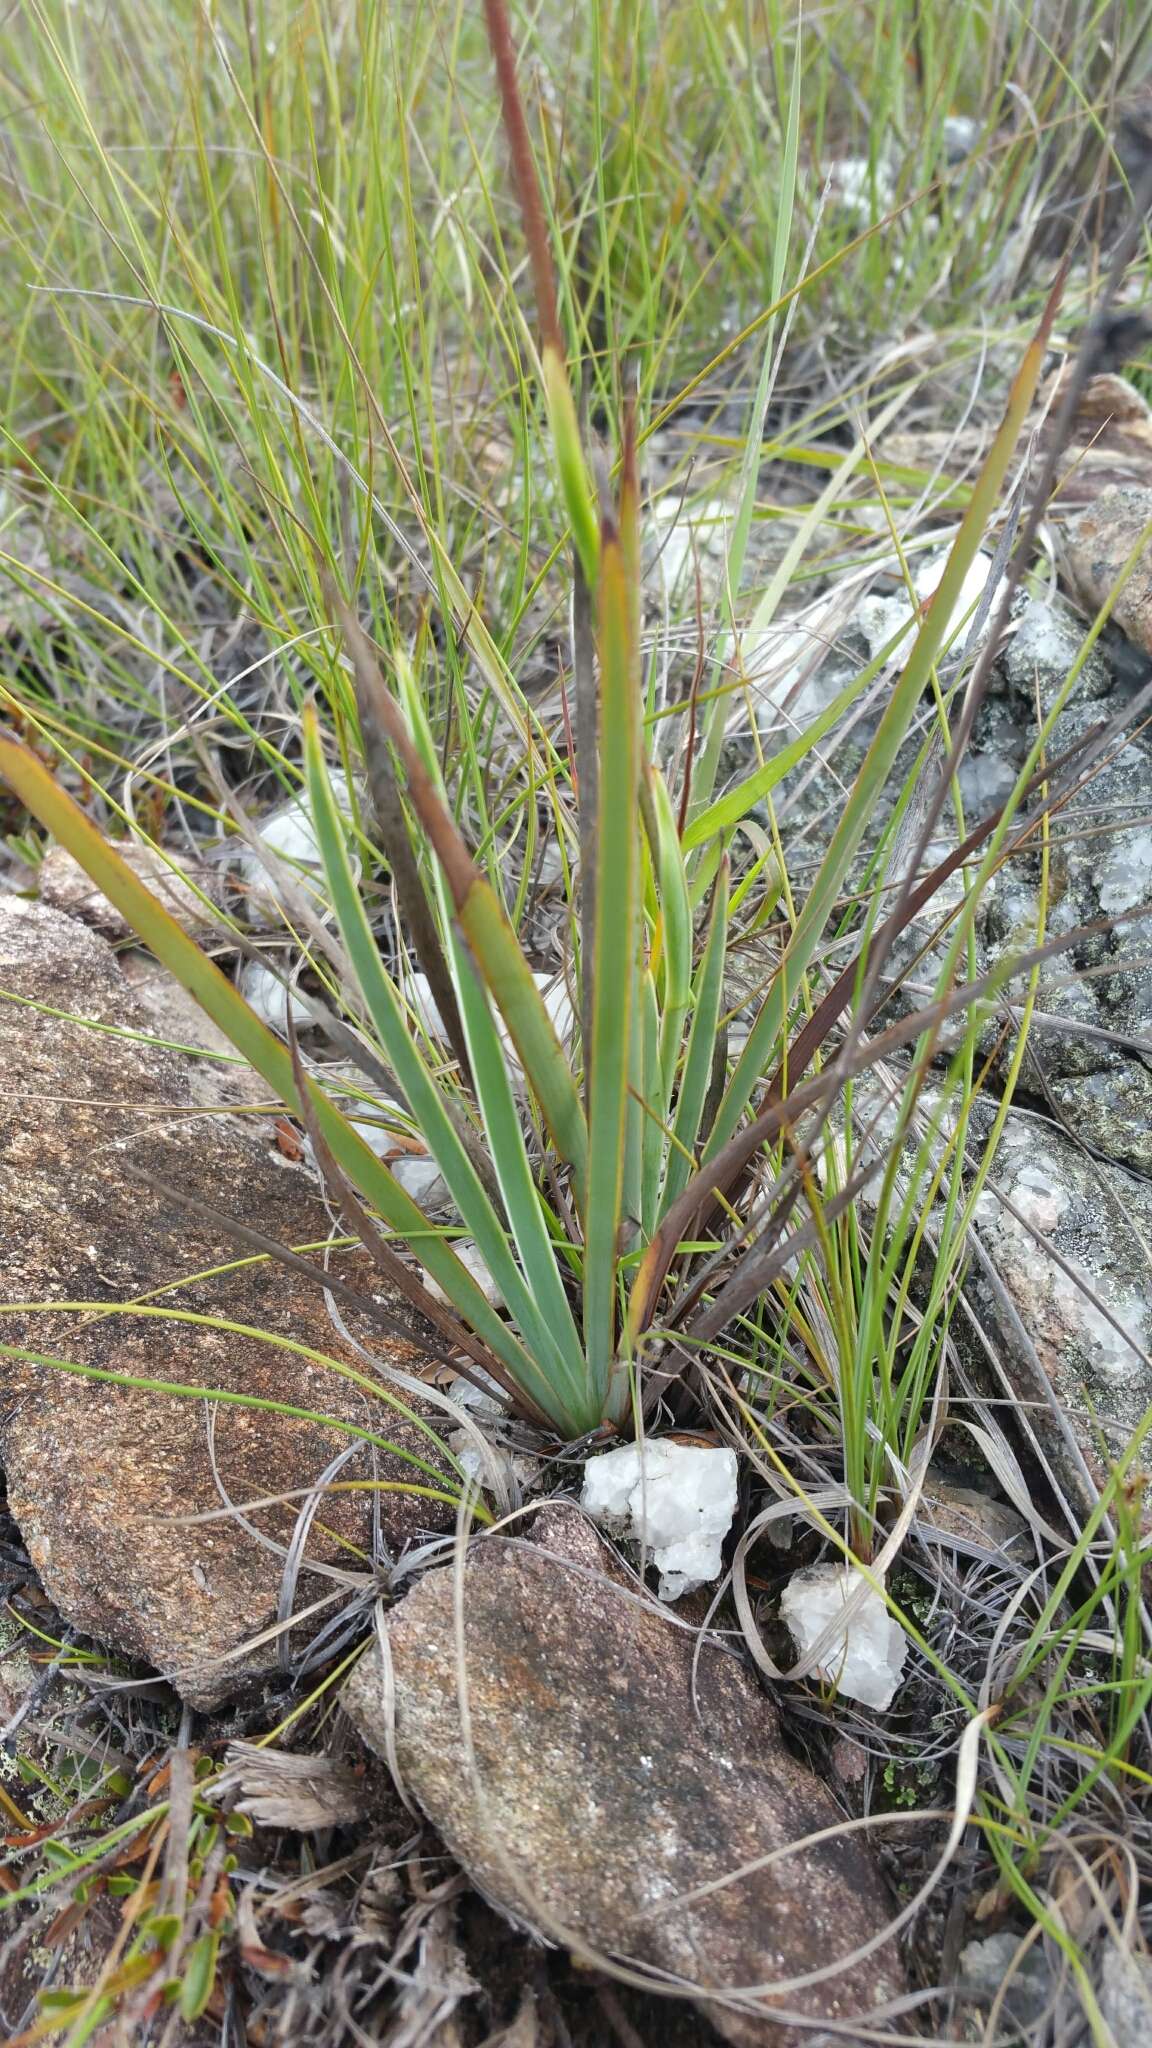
point(335, 473)
point(624, 1119)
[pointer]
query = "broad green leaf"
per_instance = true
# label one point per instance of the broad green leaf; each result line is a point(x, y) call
point(500, 1114)
point(91, 2011)
point(509, 978)
point(500, 1118)
point(674, 932)
point(650, 1108)
point(199, 1974)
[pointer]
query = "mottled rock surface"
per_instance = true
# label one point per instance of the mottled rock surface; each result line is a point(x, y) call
point(1068, 1240)
point(216, 1074)
point(1109, 443)
point(1002, 1967)
point(964, 1519)
point(1098, 545)
point(97, 1475)
point(1126, 1997)
point(595, 1796)
point(1087, 1056)
point(180, 887)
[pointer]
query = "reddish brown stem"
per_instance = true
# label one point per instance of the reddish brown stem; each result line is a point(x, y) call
point(524, 175)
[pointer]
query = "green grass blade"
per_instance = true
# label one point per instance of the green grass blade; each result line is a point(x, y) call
point(514, 991)
point(221, 1001)
point(499, 1113)
point(614, 989)
point(37, 790)
point(730, 809)
point(648, 1120)
point(784, 178)
point(877, 766)
point(674, 932)
point(481, 918)
point(504, 1136)
point(570, 465)
point(556, 1374)
point(432, 1484)
point(708, 998)
point(784, 181)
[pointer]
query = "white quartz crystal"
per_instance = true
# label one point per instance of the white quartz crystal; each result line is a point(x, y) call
point(289, 833)
point(470, 1257)
point(879, 618)
point(417, 992)
point(265, 993)
point(677, 1500)
point(865, 1657)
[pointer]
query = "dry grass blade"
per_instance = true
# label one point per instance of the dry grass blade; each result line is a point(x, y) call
point(817, 1095)
point(485, 928)
point(450, 848)
point(1013, 556)
point(357, 302)
point(281, 1788)
point(271, 1248)
point(524, 175)
point(557, 389)
point(717, 1178)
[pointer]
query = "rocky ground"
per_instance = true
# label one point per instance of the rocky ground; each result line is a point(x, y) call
point(531, 1741)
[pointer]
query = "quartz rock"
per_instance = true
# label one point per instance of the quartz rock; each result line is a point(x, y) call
point(677, 1500)
point(865, 1658)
